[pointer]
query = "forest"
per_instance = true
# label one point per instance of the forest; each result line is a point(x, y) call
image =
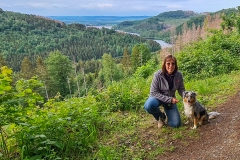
point(32, 36)
point(59, 108)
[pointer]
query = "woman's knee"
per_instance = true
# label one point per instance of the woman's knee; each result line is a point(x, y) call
point(151, 103)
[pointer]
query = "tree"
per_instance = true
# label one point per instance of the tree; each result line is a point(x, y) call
point(27, 70)
point(126, 61)
point(2, 61)
point(145, 53)
point(111, 72)
point(41, 71)
point(140, 55)
point(135, 58)
point(59, 69)
point(231, 21)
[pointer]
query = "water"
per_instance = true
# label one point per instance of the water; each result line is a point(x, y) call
point(163, 43)
point(100, 27)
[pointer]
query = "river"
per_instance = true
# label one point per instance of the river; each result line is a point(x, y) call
point(161, 42)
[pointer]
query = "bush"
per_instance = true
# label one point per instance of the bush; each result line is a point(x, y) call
point(209, 58)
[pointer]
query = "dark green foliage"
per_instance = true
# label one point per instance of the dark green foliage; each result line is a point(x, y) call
point(198, 21)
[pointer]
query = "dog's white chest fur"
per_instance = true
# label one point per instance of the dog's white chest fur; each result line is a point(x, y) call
point(188, 110)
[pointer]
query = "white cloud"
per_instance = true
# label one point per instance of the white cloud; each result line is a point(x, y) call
point(96, 6)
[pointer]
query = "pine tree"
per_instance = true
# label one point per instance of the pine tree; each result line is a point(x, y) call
point(135, 58)
point(126, 61)
point(2, 61)
point(41, 72)
point(27, 70)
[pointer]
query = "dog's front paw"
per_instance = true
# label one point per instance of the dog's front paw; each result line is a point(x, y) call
point(194, 127)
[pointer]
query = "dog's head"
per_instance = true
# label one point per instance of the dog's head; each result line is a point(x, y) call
point(189, 97)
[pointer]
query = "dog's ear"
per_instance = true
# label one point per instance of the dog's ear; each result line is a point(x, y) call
point(194, 93)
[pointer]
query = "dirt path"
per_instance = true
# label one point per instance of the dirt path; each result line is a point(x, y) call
point(220, 139)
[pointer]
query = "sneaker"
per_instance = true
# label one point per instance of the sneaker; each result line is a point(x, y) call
point(160, 123)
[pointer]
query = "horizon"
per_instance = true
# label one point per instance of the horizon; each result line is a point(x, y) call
point(113, 7)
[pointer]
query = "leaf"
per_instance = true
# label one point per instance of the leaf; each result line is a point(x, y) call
point(59, 145)
point(40, 136)
point(36, 157)
point(28, 90)
point(24, 124)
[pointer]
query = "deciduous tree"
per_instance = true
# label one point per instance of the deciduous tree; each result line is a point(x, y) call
point(59, 68)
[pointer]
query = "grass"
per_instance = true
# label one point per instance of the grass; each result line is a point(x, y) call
point(135, 135)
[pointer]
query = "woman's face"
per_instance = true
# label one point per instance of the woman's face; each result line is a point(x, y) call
point(170, 66)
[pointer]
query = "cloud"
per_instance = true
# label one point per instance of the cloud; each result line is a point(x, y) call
point(97, 6)
point(46, 6)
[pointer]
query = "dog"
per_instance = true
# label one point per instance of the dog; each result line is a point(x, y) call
point(194, 111)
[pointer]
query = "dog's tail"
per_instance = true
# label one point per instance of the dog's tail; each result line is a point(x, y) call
point(213, 115)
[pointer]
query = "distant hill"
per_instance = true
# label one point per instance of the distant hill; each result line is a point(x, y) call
point(97, 20)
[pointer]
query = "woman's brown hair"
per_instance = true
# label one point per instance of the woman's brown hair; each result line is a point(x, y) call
point(168, 57)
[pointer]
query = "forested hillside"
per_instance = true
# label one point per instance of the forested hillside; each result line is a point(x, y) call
point(153, 27)
point(30, 35)
point(199, 20)
point(163, 25)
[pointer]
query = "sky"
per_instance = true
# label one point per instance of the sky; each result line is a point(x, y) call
point(113, 7)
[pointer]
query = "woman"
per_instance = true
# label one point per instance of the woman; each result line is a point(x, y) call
point(162, 93)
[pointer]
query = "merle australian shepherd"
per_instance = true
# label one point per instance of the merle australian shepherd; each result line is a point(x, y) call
point(194, 111)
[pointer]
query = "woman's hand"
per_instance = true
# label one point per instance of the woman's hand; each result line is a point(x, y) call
point(174, 100)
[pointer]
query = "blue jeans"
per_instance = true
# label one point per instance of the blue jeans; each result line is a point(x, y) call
point(152, 105)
